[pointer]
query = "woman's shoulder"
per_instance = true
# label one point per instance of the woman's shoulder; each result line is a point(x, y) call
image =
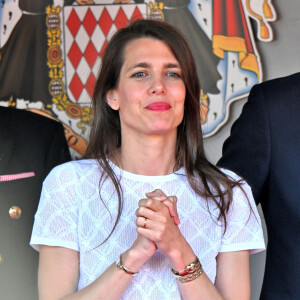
point(231, 175)
point(240, 190)
point(77, 166)
point(72, 171)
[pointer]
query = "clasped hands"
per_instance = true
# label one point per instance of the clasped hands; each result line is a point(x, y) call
point(157, 221)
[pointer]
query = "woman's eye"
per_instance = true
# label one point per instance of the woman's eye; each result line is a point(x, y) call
point(173, 75)
point(139, 74)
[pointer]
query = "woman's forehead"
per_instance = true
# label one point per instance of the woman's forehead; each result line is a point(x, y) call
point(147, 48)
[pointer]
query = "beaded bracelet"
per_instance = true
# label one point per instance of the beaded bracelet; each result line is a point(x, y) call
point(120, 265)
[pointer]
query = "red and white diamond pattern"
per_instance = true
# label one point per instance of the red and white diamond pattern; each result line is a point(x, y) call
point(86, 30)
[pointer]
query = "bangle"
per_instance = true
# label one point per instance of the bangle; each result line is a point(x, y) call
point(191, 272)
point(120, 265)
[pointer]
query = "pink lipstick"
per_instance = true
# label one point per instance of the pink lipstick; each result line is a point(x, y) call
point(158, 106)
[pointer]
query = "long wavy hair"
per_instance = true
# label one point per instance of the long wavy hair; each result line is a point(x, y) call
point(204, 178)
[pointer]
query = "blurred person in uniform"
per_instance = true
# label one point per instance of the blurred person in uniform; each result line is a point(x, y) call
point(30, 146)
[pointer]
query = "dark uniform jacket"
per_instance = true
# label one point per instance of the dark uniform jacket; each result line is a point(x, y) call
point(264, 148)
point(30, 146)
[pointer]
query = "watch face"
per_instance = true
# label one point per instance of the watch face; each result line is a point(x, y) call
point(191, 268)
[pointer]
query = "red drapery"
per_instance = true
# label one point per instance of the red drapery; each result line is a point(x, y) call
point(231, 33)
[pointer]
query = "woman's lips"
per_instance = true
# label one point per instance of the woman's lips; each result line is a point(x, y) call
point(158, 106)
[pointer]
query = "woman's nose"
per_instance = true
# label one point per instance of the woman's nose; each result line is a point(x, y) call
point(158, 87)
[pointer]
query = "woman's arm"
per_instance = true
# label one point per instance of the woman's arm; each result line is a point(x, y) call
point(233, 280)
point(233, 274)
point(59, 268)
point(59, 273)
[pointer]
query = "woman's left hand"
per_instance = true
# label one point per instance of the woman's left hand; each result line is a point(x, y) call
point(155, 222)
point(170, 202)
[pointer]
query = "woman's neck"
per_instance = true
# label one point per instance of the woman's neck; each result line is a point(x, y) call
point(150, 155)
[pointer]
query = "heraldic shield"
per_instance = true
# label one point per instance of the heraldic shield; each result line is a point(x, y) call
point(62, 43)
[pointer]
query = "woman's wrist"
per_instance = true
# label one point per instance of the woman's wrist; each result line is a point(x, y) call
point(181, 256)
point(190, 272)
point(122, 266)
point(133, 260)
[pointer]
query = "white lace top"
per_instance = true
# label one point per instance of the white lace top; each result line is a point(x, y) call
point(71, 215)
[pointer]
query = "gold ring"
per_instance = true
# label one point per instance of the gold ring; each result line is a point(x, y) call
point(145, 223)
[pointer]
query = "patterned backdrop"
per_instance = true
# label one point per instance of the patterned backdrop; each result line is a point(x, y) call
point(51, 53)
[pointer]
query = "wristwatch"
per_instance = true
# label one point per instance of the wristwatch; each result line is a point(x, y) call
point(189, 269)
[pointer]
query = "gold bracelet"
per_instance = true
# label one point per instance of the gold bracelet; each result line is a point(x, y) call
point(191, 272)
point(120, 265)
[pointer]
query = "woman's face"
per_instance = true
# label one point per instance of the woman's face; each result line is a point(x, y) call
point(150, 94)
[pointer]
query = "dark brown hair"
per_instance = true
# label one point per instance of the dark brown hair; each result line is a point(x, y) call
point(204, 178)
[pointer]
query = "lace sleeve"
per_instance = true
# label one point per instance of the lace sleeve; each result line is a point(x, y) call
point(56, 220)
point(244, 230)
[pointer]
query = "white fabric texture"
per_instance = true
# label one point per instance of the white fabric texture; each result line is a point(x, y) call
point(71, 215)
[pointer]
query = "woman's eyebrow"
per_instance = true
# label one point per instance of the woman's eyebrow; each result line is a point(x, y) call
point(146, 65)
point(172, 65)
point(140, 65)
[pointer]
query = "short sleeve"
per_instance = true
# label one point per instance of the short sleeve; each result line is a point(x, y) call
point(244, 229)
point(56, 219)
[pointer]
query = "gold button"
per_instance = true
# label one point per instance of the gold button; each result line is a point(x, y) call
point(15, 212)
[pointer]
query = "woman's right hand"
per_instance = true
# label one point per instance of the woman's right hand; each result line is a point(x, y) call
point(170, 202)
point(143, 248)
point(142, 245)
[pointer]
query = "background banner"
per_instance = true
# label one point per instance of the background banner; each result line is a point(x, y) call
point(51, 53)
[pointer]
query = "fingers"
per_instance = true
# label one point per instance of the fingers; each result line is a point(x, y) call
point(155, 211)
point(150, 229)
point(163, 233)
point(157, 195)
point(156, 221)
point(141, 222)
point(171, 203)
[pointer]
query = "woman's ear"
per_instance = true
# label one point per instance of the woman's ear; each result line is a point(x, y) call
point(111, 100)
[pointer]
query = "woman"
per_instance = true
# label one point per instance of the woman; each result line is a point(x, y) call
point(146, 149)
